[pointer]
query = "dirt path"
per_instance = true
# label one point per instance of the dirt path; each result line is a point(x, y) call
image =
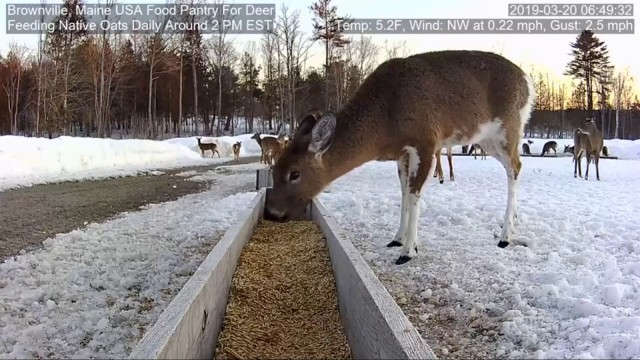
point(30, 215)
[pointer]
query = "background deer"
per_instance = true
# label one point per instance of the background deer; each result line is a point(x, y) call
point(404, 111)
point(548, 146)
point(525, 149)
point(475, 148)
point(438, 171)
point(208, 146)
point(268, 145)
point(590, 142)
point(236, 151)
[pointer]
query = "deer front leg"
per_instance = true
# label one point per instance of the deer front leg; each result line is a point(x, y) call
point(403, 169)
point(586, 172)
point(450, 160)
point(420, 166)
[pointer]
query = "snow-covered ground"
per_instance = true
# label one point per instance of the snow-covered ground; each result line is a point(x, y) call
point(29, 161)
point(574, 292)
point(93, 293)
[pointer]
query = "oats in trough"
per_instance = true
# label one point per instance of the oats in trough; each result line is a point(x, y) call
point(283, 301)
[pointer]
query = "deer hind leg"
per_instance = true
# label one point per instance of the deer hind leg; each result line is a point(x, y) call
point(438, 171)
point(597, 161)
point(586, 172)
point(450, 160)
point(507, 154)
point(403, 174)
point(420, 166)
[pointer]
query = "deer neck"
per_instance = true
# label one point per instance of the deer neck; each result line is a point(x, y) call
point(352, 145)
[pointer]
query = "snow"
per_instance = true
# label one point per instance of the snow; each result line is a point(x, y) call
point(92, 293)
point(29, 161)
point(574, 292)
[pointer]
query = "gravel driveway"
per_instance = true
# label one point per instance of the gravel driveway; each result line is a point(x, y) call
point(30, 215)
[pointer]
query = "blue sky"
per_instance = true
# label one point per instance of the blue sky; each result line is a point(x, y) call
point(546, 52)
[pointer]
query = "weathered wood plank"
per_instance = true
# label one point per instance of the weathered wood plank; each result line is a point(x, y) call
point(375, 325)
point(188, 328)
point(264, 178)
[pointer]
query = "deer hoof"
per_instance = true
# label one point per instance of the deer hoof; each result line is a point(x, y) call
point(441, 181)
point(403, 259)
point(394, 243)
point(503, 244)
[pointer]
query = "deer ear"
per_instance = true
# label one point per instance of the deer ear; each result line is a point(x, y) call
point(322, 134)
point(306, 125)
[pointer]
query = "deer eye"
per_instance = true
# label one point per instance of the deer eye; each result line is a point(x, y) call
point(293, 176)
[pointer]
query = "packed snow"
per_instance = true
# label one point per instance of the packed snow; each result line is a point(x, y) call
point(92, 293)
point(29, 161)
point(574, 292)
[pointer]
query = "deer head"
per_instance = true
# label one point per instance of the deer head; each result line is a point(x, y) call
point(300, 173)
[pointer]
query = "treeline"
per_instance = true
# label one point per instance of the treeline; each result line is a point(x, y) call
point(164, 85)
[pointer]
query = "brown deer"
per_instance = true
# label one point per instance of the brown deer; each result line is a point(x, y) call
point(268, 146)
point(548, 146)
point(404, 111)
point(474, 149)
point(438, 172)
point(236, 151)
point(588, 140)
point(208, 146)
point(525, 149)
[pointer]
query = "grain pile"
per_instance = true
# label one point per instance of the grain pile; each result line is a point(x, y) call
point(283, 302)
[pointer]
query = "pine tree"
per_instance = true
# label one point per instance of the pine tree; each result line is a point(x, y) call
point(590, 62)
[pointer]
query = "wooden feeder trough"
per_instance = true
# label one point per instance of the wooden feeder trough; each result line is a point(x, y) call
point(373, 324)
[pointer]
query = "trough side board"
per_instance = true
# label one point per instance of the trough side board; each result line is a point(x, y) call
point(375, 325)
point(188, 328)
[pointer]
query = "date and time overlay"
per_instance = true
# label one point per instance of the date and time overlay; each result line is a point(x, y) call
point(551, 18)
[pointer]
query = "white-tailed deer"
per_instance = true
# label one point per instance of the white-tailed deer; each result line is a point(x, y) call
point(236, 151)
point(438, 173)
point(525, 149)
point(588, 140)
point(208, 146)
point(405, 111)
point(269, 146)
point(548, 146)
point(474, 149)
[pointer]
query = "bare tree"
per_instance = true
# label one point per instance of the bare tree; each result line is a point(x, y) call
point(395, 49)
point(223, 51)
point(16, 59)
point(268, 47)
point(621, 93)
point(293, 48)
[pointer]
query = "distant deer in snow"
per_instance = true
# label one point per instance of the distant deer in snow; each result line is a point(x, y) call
point(208, 146)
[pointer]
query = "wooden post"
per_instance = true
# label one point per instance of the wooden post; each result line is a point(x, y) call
point(264, 178)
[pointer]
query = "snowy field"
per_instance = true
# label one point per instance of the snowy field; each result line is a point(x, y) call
point(574, 292)
point(29, 161)
point(93, 293)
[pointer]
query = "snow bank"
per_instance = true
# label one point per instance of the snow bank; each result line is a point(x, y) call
point(28, 161)
point(623, 149)
point(248, 146)
point(93, 293)
point(572, 293)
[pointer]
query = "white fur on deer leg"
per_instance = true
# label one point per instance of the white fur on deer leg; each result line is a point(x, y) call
point(412, 200)
point(507, 225)
point(410, 245)
point(403, 165)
